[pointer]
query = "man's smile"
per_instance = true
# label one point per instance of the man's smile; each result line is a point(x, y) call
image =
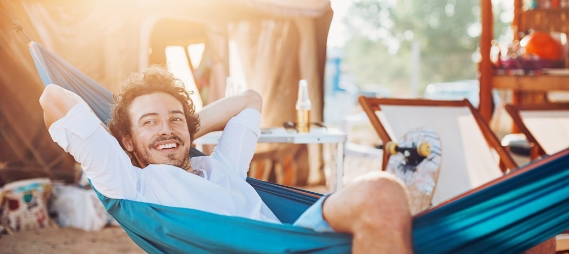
point(166, 146)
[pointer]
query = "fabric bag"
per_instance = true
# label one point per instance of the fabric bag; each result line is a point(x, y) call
point(78, 208)
point(23, 204)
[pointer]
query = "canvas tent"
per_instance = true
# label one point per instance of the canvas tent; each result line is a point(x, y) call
point(277, 44)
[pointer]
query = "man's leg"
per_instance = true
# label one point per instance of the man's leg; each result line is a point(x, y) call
point(375, 211)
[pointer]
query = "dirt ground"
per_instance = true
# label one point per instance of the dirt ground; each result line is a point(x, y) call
point(69, 240)
point(115, 240)
point(72, 240)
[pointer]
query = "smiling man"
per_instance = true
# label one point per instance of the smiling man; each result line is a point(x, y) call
point(147, 114)
point(154, 129)
point(146, 159)
point(155, 122)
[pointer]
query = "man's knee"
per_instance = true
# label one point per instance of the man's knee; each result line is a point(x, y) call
point(379, 182)
point(373, 196)
point(384, 202)
point(374, 188)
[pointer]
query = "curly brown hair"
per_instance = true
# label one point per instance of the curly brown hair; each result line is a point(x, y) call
point(155, 79)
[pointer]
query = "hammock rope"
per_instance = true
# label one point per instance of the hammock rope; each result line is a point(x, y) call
point(16, 25)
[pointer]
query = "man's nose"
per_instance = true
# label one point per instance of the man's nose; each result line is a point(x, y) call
point(166, 129)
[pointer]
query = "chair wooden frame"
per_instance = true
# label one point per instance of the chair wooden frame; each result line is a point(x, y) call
point(536, 150)
point(371, 105)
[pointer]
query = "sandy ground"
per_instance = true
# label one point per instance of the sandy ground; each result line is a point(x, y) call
point(72, 240)
point(69, 240)
point(115, 239)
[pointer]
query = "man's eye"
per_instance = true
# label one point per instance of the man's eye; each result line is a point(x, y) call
point(148, 122)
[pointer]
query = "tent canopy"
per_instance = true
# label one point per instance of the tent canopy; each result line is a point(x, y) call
point(277, 44)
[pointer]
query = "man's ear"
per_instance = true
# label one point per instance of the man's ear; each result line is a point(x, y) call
point(127, 143)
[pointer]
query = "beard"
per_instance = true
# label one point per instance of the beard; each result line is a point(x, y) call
point(144, 157)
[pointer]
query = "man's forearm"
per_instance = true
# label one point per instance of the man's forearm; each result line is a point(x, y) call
point(215, 116)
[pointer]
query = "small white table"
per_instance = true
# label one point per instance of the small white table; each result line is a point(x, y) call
point(280, 135)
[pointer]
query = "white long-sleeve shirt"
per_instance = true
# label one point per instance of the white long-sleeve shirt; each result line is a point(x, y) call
point(223, 189)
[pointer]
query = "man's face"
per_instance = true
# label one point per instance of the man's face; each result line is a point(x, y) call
point(159, 133)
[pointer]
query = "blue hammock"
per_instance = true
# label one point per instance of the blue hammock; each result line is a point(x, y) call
point(508, 215)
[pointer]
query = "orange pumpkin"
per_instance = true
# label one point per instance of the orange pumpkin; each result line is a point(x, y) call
point(542, 45)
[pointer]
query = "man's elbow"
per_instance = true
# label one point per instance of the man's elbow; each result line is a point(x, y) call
point(49, 95)
point(56, 102)
point(254, 99)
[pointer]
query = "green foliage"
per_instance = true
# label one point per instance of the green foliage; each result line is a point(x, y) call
point(379, 51)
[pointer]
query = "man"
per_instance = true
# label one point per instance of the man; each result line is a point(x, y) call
point(155, 123)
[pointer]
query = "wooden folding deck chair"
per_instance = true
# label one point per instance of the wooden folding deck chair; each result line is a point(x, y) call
point(546, 126)
point(467, 140)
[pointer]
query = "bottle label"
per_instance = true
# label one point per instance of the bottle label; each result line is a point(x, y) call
point(303, 121)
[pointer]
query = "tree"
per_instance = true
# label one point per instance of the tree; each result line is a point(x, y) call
point(379, 51)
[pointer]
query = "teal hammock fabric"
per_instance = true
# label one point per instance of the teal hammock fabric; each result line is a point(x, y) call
point(508, 215)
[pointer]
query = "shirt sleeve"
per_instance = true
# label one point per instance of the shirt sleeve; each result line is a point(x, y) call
point(109, 168)
point(238, 141)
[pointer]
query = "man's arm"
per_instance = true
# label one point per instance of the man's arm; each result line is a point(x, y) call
point(82, 135)
point(56, 102)
point(215, 116)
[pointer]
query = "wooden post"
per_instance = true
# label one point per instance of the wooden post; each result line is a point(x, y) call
point(485, 66)
point(517, 19)
point(516, 22)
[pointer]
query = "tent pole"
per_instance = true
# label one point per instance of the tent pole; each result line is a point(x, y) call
point(56, 160)
point(12, 144)
point(35, 153)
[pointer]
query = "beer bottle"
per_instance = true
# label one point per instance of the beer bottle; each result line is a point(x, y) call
point(303, 107)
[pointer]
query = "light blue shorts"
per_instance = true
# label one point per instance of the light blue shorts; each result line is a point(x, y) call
point(312, 218)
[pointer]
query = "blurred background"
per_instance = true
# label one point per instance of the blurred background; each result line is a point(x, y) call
point(399, 48)
point(343, 48)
